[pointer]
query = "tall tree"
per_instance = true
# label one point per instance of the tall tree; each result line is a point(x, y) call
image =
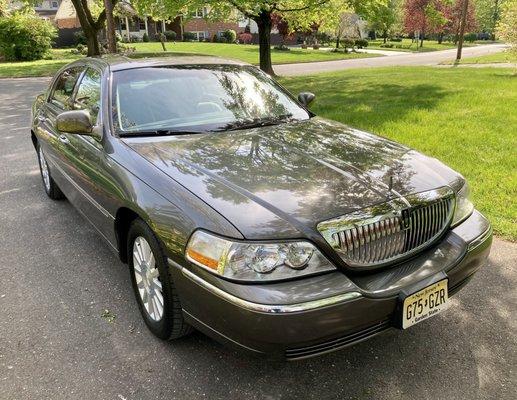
point(463, 23)
point(384, 17)
point(488, 14)
point(90, 24)
point(110, 27)
point(423, 17)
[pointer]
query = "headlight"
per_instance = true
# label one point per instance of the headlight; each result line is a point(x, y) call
point(464, 206)
point(255, 261)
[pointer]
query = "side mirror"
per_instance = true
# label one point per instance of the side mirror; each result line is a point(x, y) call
point(306, 98)
point(76, 121)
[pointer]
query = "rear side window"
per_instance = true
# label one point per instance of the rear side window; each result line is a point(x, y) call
point(88, 95)
point(64, 87)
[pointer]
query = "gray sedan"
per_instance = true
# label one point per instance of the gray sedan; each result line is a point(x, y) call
point(244, 215)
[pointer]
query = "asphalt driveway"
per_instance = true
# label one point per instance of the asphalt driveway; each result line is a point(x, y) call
point(57, 278)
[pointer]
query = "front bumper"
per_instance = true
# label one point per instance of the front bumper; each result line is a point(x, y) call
point(316, 315)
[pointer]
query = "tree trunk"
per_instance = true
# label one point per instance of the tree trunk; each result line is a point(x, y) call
point(264, 24)
point(92, 41)
point(440, 38)
point(464, 11)
point(337, 42)
point(110, 27)
point(385, 36)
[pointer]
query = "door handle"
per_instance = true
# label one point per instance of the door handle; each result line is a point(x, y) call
point(63, 139)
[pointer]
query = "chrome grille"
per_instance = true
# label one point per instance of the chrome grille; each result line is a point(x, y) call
point(382, 234)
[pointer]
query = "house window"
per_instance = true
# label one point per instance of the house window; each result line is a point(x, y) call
point(200, 35)
point(199, 13)
point(55, 4)
point(141, 25)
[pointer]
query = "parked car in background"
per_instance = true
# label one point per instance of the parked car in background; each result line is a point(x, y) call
point(242, 214)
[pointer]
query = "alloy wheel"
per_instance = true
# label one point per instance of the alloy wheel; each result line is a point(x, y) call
point(147, 278)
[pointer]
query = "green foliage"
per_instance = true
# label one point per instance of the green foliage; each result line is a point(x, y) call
point(145, 38)
point(361, 43)
point(170, 35)
point(507, 27)
point(79, 37)
point(230, 35)
point(189, 36)
point(470, 37)
point(25, 37)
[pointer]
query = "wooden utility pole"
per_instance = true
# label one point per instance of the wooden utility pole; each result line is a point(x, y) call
point(463, 23)
point(110, 27)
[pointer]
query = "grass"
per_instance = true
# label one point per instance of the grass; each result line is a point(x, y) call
point(246, 53)
point(408, 46)
point(466, 119)
point(59, 58)
point(501, 57)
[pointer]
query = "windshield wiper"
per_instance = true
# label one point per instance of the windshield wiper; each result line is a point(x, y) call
point(160, 132)
point(257, 122)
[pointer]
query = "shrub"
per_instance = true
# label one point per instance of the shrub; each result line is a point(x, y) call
point(281, 47)
point(25, 37)
point(189, 36)
point(245, 37)
point(387, 45)
point(145, 38)
point(324, 38)
point(230, 35)
point(347, 42)
point(470, 37)
point(79, 37)
point(159, 36)
point(396, 39)
point(170, 35)
point(360, 43)
point(118, 37)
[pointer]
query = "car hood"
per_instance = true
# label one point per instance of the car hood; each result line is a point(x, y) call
point(280, 181)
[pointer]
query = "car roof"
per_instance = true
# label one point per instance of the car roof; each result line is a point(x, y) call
point(118, 62)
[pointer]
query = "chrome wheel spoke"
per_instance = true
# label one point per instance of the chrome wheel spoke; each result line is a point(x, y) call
point(147, 278)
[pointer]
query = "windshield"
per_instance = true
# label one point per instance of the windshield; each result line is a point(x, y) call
point(160, 100)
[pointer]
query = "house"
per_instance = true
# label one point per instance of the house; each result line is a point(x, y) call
point(46, 9)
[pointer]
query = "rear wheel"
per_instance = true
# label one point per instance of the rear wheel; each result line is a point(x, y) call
point(51, 188)
point(154, 289)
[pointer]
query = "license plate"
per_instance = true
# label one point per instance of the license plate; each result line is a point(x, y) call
point(425, 303)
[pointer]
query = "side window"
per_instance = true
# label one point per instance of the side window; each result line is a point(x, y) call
point(88, 95)
point(64, 87)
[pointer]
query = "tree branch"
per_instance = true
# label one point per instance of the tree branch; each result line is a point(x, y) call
point(306, 7)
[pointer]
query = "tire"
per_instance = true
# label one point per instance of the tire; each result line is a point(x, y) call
point(51, 188)
point(169, 324)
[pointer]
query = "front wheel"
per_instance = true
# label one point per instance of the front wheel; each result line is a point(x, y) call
point(51, 188)
point(153, 286)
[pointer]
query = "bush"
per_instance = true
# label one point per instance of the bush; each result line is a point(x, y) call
point(79, 37)
point(360, 43)
point(396, 39)
point(118, 37)
point(347, 42)
point(25, 37)
point(245, 38)
point(145, 38)
point(189, 36)
point(230, 35)
point(281, 47)
point(323, 38)
point(387, 45)
point(170, 35)
point(159, 36)
point(470, 37)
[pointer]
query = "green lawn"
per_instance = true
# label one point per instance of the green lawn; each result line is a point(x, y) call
point(502, 57)
point(466, 118)
point(407, 45)
point(246, 53)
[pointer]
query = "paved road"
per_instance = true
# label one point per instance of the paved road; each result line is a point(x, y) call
point(57, 278)
point(407, 59)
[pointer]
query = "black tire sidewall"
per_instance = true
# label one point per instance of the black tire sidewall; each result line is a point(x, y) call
point(163, 327)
